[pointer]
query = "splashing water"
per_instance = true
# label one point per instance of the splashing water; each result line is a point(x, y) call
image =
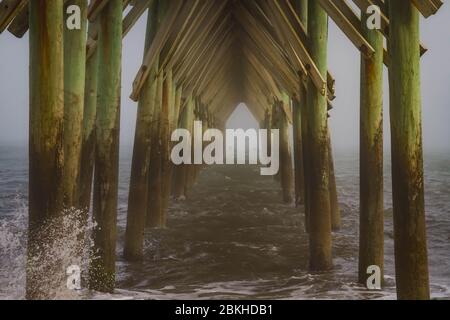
point(67, 241)
point(13, 253)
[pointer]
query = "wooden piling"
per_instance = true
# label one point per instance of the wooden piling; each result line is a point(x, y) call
point(74, 86)
point(306, 161)
point(102, 271)
point(88, 135)
point(166, 126)
point(175, 124)
point(275, 124)
point(301, 7)
point(191, 169)
point(334, 202)
point(268, 127)
point(155, 210)
point(186, 118)
point(298, 152)
point(411, 261)
point(138, 192)
point(286, 169)
point(154, 205)
point(316, 114)
point(46, 150)
point(371, 222)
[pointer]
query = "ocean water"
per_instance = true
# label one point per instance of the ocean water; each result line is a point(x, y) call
point(234, 239)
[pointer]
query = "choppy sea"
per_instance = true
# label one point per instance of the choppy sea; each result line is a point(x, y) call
point(234, 239)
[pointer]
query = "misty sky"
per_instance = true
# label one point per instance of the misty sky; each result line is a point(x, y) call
point(344, 63)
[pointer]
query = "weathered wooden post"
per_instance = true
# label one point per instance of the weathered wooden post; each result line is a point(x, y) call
point(286, 169)
point(88, 135)
point(138, 193)
point(334, 203)
point(166, 128)
point(186, 118)
point(74, 86)
point(176, 117)
point(178, 103)
point(46, 150)
point(371, 228)
point(268, 127)
point(154, 205)
point(275, 124)
point(306, 160)
point(190, 174)
point(411, 261)
point(298, 152)
point(102, 271)
point(301, 7)
point(316, 114)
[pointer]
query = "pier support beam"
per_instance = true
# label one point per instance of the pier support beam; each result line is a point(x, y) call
point(301, 7)
point(74, 86)
point(334, 201)
point(319, 210)
point(371, 222)
point(138, 193)
point(298, 151)
point(154, 205)
point(46, 150)
point(180, 177)
point(102, 271)
point(166, 126)
point(306, 161)
point(287, 172)
point(192, 168)
point(411, 261)
point(88, 135)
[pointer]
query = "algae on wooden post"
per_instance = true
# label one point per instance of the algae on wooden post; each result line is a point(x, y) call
point(154, 204)
point(298, 152)
point(316, 113)
point(371, 222)
point(301, 7)
point(138, 192)
point(102, 271)
point(74, 86)
point(334, 203)
point(46, 150)
point(411, 260)
point(88, 135)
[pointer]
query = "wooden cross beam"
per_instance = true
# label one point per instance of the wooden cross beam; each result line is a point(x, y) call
point(353, 18)
point(208, 58)
point(95, 7)
point(19, 26)
point(267, 49)
point(200, 45)
point(313, 71)
point(195, 25)
point(155, 48)
point(182, 29)
point(347, 27)
point(9, 9)
point(128, 22)
point(285, 37)
point(427, 7)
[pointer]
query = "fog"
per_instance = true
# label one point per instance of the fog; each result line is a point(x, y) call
point(344, 64)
